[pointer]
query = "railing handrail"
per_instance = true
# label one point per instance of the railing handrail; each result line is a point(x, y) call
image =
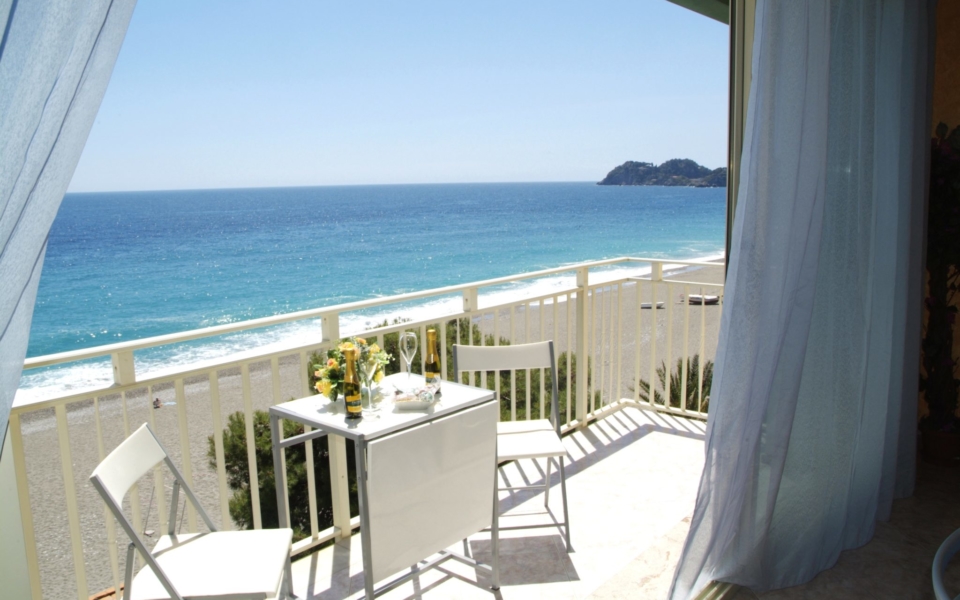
point(185, 336)
point(276, 350)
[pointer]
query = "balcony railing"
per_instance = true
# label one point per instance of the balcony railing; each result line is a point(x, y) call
point(610, 317)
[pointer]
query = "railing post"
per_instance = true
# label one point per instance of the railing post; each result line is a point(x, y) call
point(656, 272)
point(583, 359)
point(339, 482)
point(124, 372)
point(470, 300)
point(656, 275)
point(331, 327)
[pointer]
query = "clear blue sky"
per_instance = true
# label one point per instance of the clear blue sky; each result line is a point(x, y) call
point(232, 93)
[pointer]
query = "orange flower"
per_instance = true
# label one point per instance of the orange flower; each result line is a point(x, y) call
point(331, 363)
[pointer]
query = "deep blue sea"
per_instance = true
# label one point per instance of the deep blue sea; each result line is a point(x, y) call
point(128, 265)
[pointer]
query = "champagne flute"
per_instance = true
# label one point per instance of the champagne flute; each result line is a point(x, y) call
point(408, 348)
point(370, 369)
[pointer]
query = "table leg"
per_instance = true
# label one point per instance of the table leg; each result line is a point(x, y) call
point(495, 528)
point(278, 471)
point(360, 453)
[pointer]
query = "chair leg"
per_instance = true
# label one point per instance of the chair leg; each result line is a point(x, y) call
point(288, 580)
point(495, 530)
point(128, 576)
point(546, 484)
point(566, 515)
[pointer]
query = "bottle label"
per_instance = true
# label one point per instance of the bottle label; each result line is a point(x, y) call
point(433, 380)
point(354, 407)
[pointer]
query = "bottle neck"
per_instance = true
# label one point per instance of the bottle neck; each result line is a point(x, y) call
point(351, 371)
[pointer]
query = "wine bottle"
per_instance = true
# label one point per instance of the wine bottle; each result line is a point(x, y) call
point(351, 385)
point(431, 366)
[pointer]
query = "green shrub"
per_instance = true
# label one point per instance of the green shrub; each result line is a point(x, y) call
point(238, 475)
point(676, 383)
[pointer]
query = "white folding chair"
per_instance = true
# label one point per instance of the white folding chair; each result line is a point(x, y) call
point(218, 564)
point(528, 439)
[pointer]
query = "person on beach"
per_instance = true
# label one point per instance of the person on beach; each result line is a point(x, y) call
point(157, 403)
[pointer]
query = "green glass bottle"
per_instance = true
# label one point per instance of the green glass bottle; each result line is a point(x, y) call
point(431, 365)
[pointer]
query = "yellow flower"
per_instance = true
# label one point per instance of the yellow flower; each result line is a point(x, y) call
point(325, 387)
point(374, 348)
point(346, 346)
point(331, 363)
point(318, 374)
point(379, 376)
point(319, 386)
point(362, 341)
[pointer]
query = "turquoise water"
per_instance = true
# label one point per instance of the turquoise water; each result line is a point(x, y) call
point(123, 266)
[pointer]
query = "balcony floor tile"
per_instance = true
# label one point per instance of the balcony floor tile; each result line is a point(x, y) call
point(632, 486)
point(897, 561)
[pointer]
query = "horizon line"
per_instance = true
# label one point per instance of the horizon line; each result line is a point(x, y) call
point(328, 185)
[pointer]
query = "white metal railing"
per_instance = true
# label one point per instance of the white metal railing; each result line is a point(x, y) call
point(85, 426)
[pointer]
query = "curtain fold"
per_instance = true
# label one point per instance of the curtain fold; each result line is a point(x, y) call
point(56, 57)
point(812, 431)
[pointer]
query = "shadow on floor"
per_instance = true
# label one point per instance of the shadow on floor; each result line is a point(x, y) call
point(528, 560)
point(602, 445)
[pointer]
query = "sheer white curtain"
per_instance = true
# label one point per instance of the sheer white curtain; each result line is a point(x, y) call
point(56, 57)
point(812, 430)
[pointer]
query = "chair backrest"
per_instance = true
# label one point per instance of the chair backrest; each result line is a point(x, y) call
point(538, 355)
point(128, 462)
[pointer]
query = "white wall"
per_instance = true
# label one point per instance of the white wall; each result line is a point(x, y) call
point(13, 559)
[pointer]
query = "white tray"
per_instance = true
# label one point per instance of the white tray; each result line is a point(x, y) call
point(413, 405)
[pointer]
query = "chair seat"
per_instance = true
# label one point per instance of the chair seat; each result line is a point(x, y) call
point(529, 444)
point(219, 564)
point(524, 426)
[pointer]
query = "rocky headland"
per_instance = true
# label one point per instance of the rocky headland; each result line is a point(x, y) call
point(675, 172)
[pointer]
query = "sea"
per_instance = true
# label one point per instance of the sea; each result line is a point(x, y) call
point(128, 265)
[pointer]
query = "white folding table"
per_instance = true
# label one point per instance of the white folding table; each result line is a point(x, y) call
point(425, 479)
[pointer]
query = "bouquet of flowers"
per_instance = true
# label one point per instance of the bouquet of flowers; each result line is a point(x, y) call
point(328, 376)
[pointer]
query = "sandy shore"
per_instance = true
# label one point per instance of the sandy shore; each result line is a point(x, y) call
point(616, 349)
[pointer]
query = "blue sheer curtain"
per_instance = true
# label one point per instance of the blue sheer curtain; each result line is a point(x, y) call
point(56, 57)
point(812, 431)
